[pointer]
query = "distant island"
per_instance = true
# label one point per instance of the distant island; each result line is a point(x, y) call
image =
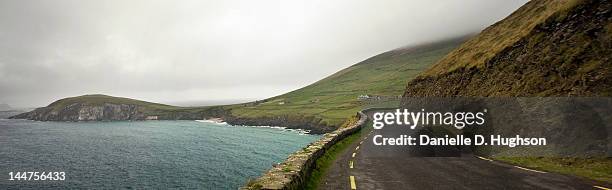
point(5, 107)
point(98, 107)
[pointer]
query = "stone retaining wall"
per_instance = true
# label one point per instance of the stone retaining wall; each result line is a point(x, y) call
point(293, 172)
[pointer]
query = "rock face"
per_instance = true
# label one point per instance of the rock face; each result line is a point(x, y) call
point(306, 123)
point(569, 54)
point(81, 112)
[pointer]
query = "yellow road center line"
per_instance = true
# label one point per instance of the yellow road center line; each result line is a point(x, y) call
point(529, 169)
point(353, 185)
point(357, 148)
point(354, 154)
point(600, 187)
point(483, 158)
point(351, 164)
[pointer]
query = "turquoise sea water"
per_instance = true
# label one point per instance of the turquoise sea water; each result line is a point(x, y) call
point(142, 154)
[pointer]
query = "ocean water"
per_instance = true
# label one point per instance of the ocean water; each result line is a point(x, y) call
point(141, 154)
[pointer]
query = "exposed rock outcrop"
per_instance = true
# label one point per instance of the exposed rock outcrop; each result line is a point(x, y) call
point(81, 112)
point(306, 123)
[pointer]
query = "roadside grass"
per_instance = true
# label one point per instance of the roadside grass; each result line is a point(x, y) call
point(596, 168)
point(324, 163)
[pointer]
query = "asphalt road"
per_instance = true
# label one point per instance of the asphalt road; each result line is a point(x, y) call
point(410, 167)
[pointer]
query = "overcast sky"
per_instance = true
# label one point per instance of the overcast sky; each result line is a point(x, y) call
point(177, 51)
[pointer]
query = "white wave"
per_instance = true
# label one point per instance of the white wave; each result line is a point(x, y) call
point(212, 121)
point(299, 131)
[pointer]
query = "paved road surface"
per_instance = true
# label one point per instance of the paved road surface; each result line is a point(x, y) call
point(406, 167)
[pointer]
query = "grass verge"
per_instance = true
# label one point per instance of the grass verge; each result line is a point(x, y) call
point(323, 163)
point(597, 168)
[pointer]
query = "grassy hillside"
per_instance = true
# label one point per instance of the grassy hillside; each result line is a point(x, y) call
point(147, 108)
point(99, 99)
point(335, 98)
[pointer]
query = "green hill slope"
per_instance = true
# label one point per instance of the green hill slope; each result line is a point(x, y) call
point(330, 101)
point(99, 107)
point(100, 99)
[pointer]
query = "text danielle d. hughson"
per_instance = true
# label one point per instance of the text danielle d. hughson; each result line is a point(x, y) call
point(459, 120)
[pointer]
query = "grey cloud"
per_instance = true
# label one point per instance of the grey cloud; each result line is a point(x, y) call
point(171, 51)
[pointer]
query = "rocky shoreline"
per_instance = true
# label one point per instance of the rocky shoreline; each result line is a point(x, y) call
point(130, 112)
point(80, 112)
point(309, 124)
